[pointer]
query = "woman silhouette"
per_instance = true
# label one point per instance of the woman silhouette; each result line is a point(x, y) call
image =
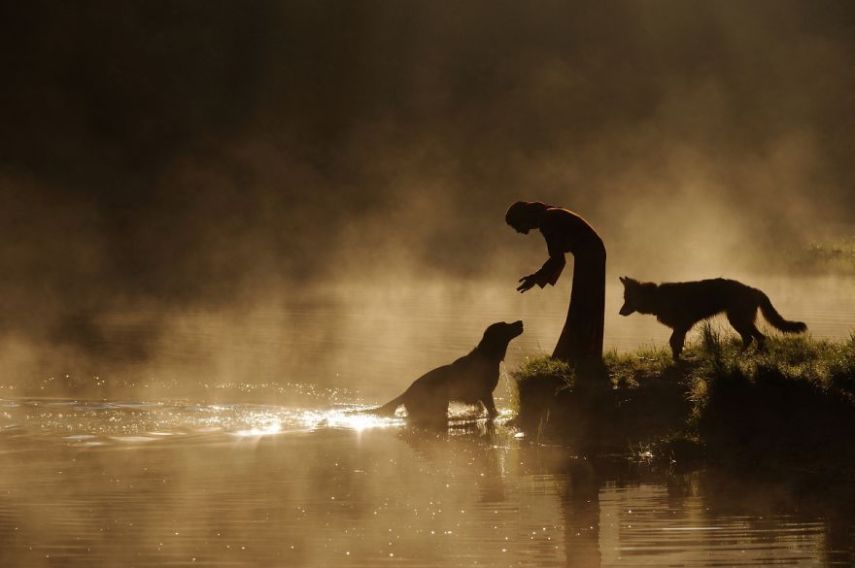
point(581, 340)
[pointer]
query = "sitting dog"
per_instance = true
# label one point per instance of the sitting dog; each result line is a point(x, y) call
point(680, 305)
point(470, 379)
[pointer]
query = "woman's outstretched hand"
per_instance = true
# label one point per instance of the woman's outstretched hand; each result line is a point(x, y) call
point(526, 283)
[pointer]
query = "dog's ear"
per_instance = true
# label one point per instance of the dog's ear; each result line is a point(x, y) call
point(623, 280)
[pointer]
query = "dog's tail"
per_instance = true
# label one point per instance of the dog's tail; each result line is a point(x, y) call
point(776, 319)
point(387, 409)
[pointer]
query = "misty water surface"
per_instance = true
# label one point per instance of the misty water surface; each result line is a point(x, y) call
point(182, 484)
point(231, 446)
point(368, 340)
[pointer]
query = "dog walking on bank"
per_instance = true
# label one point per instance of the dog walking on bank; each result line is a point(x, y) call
point(680, 305)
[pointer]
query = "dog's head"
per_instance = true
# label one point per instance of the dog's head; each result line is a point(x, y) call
point(636, 296)
point(498, 335)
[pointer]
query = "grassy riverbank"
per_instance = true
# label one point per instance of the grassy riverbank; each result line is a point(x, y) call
point(792, 404)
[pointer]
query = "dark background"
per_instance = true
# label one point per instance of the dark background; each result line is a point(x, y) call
point(158, 155)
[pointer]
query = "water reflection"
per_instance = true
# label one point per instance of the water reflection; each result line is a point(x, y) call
point(580, 499)
point(148, 484)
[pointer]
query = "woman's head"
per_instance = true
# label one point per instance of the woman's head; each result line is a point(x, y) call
point(525, 215)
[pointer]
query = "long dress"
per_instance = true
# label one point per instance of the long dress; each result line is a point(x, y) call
point(581, 340)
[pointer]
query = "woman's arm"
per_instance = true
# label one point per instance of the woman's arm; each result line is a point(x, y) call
point(554, 265)
point(548, 274)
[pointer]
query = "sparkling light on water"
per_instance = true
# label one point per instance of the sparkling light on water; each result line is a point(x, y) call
point(350, 419)
point(264, 426)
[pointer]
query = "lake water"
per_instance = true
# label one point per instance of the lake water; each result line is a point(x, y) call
point(157, 484)
point(231, 446)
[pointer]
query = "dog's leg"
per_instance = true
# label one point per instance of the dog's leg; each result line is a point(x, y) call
point(743, 325)
point(743, 322)
point(678, 338)
point(490, 405)
point(761, 339)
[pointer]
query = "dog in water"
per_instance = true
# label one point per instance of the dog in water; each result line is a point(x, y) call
point(680, 305)
point(470, 379)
